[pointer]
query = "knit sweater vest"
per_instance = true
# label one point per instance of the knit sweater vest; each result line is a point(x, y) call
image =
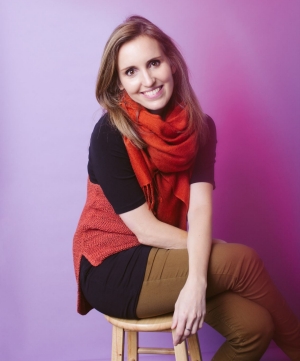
point(99, 234)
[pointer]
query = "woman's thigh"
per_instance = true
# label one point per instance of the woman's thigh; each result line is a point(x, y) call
point(167, 271)
point(165, 275)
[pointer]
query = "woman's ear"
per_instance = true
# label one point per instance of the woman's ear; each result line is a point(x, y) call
point(173, 68)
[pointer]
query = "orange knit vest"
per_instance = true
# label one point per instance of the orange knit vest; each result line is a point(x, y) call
point(99, 234)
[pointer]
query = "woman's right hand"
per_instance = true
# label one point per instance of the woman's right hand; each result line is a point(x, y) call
point(190, 309)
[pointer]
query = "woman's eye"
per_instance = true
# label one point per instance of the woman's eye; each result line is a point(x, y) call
point(130, 72)
point(155, 63)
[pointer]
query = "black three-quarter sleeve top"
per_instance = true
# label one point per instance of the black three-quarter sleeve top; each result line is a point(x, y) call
point(114, 286)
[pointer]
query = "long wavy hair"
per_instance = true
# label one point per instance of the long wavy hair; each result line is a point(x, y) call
point(109, 94)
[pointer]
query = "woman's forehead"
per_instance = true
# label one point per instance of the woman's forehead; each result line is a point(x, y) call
point(138, 50)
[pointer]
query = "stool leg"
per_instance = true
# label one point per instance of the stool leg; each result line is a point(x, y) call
point(132, 345)
point(117, 352)
point(194, 348)
point(180, 351)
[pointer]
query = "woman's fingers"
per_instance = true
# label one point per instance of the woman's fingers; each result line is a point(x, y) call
point(200, 325)
point(195, 327)
point(189, 312)
point(175, 319)
point(179, 332)
point(186, 326)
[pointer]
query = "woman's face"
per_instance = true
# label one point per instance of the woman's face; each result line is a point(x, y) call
point(145, 73)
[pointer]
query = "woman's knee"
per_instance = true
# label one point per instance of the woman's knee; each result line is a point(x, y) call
point(248, 253)
point(234, 250)
point(243, 322)
point(242, 251)
point(248, 332)
point(257, 327)
point(262, 326)
point(233, 258)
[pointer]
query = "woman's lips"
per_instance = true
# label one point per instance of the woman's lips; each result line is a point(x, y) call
point(154, 93)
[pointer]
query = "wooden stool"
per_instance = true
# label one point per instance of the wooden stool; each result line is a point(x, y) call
point(154, 324)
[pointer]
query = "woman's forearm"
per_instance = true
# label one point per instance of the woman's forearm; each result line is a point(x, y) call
point(199, 244)
point(200, 231)
point(162, 235)
point(152, 232)
point(190, 307)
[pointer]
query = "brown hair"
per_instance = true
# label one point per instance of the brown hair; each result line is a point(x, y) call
point(109, 94)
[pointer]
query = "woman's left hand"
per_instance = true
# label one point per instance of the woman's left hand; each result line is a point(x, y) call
point(190, 309)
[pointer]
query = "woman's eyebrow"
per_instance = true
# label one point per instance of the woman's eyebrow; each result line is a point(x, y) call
point(154, 58)
point(128, 67)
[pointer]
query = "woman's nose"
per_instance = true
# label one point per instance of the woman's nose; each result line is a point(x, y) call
point(147, 78)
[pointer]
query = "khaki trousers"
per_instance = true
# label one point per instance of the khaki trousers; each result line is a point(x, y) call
point(243, 304)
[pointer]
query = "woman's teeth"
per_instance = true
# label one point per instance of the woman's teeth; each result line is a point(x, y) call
point(152, 92)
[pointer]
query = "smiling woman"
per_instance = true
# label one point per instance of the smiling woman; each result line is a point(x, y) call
point(151, 169)
point(146, 74)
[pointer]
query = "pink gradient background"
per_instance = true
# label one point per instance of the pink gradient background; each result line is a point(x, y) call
point(244, 59)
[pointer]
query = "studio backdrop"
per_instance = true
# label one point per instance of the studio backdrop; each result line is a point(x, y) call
point(244, 61)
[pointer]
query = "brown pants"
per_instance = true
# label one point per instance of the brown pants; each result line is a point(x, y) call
point(243, 304)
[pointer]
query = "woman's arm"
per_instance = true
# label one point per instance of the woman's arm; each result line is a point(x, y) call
point(190, 307)
point(152, 232)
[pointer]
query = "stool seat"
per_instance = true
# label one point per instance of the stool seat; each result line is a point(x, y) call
point(154, 324)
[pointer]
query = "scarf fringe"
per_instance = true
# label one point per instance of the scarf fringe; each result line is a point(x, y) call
point(149, 195)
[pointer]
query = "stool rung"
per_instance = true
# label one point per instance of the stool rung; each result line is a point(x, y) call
point(189, 347)
point(156, 351)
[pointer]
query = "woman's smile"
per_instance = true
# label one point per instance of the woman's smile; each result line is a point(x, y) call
point(152, 94)
point(145, 73)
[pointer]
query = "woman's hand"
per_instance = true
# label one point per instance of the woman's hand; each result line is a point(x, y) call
point(190, 309)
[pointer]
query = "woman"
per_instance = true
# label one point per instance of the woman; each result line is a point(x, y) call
point(151, 161)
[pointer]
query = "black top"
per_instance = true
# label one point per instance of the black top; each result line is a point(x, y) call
point(110, 167)
point(120, 277)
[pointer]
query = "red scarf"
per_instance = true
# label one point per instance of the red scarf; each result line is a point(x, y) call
point(163, 169)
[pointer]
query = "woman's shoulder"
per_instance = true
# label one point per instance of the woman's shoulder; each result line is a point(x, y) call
point(210, 123)
point(104, 126)
point(105, 133)
point(210, 131)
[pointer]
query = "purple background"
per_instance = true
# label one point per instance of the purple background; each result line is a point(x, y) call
point(244, 58)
